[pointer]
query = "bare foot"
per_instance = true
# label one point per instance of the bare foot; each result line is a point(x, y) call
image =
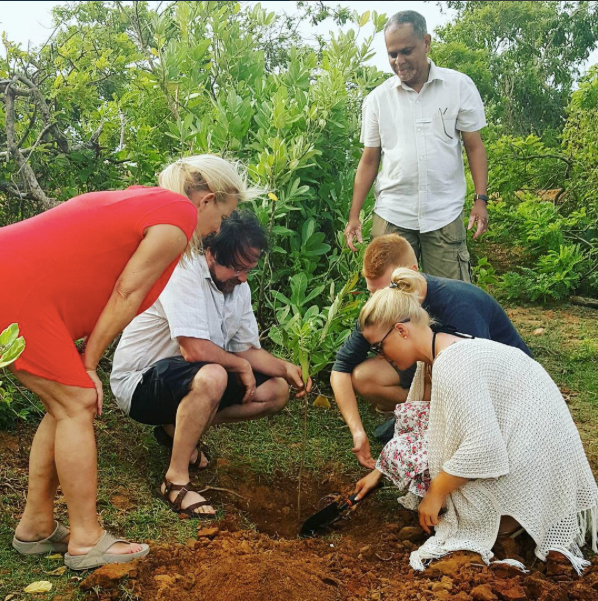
point(116, 548)
point(203, 462)
point(30, 533)
point(189, 499)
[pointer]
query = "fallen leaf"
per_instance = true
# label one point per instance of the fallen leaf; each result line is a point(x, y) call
point(322, 401)
point(57, 572)
point(272, 196)
point(9, 597)
point(539, 331)
point(55, 556)
point(42, 586)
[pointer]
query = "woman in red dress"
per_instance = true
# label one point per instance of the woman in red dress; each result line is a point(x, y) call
point(87, 268)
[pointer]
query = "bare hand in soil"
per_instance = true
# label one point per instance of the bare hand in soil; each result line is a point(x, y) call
point(361, 448)
point(429, 508)
point(368, 483)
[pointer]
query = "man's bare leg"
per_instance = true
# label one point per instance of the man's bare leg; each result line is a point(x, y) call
point(377, 382)
point(270, 398)
point(194, 414)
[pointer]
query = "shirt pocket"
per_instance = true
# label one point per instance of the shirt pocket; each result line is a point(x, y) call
point(445, 125)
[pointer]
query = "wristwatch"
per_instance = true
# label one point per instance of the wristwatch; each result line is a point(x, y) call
point(481, 197)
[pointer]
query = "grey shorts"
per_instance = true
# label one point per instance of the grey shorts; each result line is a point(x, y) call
point(442, 253)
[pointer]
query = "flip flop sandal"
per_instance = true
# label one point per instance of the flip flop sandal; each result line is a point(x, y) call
point(176, 504)
point(51, 544)
point(164, 439)
point(98, 555)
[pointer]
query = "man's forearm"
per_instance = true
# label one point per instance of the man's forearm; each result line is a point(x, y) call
point(478, 165)
point(366, 173)
point(342, 387)
point(262, 361)
point(197, 349)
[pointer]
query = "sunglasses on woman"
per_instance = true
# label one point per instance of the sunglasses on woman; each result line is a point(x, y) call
point(377, 348)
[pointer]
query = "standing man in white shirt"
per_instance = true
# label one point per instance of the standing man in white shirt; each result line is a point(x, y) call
point(414, 124)
point(194, 359)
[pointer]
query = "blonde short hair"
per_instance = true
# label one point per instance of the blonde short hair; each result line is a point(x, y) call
point(383, 252)
point(400, 301)
point(207, 172)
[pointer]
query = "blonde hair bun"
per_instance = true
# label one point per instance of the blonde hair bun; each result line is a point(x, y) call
point(407, 281)
point(400, 301)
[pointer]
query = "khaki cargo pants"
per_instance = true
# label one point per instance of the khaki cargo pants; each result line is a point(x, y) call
point(441, 253)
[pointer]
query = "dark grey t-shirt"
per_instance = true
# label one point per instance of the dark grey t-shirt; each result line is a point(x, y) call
point(456, 306)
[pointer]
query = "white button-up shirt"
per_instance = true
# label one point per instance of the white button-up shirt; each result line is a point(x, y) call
point(191, 306)
point(421, 185)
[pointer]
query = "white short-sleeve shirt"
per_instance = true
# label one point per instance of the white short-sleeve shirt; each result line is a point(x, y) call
point(421, 184)
point(191, 306)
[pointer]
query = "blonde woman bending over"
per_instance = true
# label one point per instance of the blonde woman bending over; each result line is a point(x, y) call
point(503, 451)
point(85, 269)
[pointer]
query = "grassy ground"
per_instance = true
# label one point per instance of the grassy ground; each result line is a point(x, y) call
point(131, 463)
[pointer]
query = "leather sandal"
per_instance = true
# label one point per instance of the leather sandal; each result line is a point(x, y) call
point(98, 555)
point(50, 544)
point(164, 439)
point(176, 504)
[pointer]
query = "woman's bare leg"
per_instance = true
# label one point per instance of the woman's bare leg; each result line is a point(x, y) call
point(72, 449)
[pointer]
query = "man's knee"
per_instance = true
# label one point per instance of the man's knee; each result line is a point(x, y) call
point(211, 381)
point(362, 379)
point(278, 395)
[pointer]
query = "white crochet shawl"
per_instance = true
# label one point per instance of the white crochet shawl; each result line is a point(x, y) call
point(497, 418)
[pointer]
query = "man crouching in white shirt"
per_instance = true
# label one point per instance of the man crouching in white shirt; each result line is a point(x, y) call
point(194, 358)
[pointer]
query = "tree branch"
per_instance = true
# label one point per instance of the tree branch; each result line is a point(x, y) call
point(27, 172)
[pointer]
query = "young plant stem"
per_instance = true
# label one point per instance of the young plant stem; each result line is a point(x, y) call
point(304, 361)
point(303, 449)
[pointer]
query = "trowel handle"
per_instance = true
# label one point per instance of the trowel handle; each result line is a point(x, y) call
point(349, 502)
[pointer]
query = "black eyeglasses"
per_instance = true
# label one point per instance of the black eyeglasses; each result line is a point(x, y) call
point(238, 272)
point(441, 113)
point(377, 348)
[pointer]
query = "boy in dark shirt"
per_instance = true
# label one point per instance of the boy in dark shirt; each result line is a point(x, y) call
point(454, 305)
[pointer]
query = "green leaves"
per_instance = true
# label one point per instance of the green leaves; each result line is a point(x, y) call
point(11, 345)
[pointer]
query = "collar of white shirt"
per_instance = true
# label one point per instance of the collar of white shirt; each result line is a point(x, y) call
point(435, 73)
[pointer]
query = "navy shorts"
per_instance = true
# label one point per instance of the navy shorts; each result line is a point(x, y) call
point(166, 383)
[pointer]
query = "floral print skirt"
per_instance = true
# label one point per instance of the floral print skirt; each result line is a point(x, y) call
point(404, 460)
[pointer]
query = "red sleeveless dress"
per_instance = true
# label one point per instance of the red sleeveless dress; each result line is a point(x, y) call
point(58, 270)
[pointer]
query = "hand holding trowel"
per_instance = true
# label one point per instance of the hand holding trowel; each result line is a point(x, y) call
point(334, 511)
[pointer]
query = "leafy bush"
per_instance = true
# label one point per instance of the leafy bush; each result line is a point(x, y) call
point(11, 407)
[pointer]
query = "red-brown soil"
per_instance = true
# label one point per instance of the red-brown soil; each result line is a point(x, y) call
point(253, 554)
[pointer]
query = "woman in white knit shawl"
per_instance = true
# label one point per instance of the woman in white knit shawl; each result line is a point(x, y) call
point(502, 446)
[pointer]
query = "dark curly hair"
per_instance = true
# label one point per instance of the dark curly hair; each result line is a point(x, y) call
point(239, 237)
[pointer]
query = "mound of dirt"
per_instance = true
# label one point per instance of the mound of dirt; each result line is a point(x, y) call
point(248, 566)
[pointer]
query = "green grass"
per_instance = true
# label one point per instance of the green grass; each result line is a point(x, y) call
point(131, 463)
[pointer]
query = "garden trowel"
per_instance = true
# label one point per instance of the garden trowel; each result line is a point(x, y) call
point(327, 516)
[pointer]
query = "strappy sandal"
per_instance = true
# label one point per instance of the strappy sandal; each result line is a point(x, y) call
point(164, 439)
point(176, 504)
point(50, 544)
point(97, 556)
